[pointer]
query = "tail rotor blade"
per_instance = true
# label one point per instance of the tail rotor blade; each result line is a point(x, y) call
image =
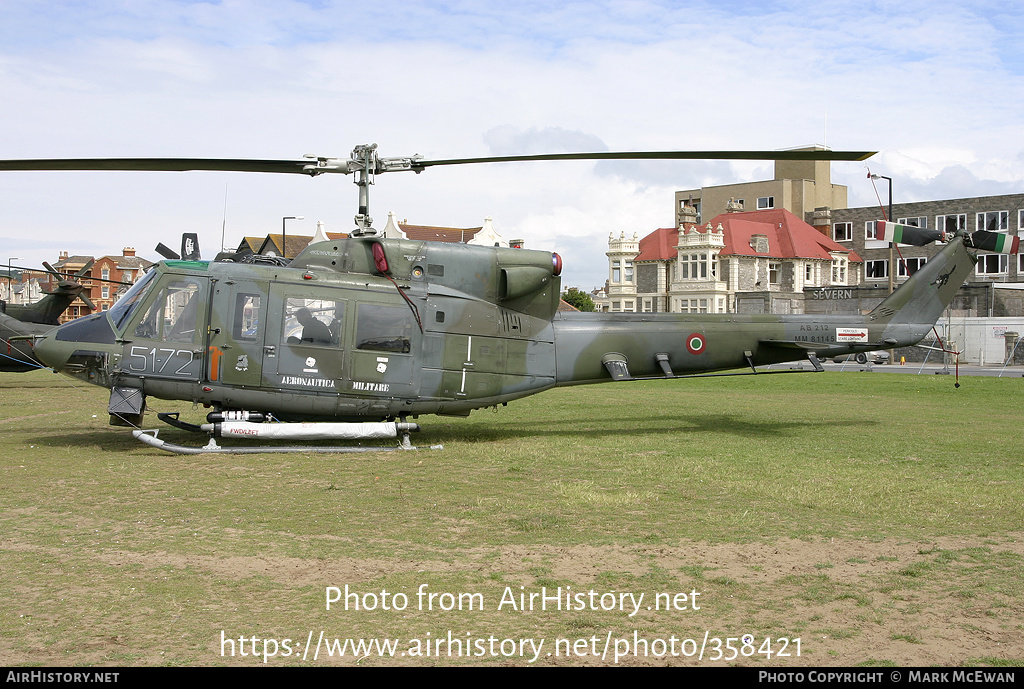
point(167, 252)
point(998, 242)
point(907, 234)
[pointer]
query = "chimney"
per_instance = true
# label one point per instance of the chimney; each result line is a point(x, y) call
point(822, 220)
point(128, 251)
point(687, 215)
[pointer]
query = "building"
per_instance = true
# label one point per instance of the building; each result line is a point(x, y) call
point(995, 288)
point(485, 235)
point(799, 186)
point(738, 262)
point(110, 271)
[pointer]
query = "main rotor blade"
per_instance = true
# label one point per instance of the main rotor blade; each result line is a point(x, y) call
point(162, 164)
point(659, 155)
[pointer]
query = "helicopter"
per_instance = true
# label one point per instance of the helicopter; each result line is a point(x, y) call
point(353, 337)
point(20, 323)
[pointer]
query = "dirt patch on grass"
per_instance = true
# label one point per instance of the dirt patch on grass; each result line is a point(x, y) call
point(945, 601)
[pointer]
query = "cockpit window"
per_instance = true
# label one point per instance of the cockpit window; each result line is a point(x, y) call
point(127, 304)
point(173, 314)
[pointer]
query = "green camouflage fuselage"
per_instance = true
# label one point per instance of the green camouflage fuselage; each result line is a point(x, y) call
point(441, 328)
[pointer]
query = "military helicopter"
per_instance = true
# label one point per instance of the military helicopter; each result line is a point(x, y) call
point(353, 337)
point(20, 323)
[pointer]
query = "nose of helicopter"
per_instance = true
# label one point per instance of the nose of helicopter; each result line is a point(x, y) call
point(48, 351)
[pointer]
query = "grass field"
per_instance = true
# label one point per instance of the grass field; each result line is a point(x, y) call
point(875, 517)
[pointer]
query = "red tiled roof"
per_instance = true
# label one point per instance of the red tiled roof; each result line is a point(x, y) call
point(430, 233)
point(659, 245)
point(788, 235)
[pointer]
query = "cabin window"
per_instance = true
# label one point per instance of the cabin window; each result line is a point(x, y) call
point(246, 320)
point(315, 322)
point(384, 328)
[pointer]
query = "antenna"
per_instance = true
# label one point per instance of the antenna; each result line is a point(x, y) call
point(224, 221)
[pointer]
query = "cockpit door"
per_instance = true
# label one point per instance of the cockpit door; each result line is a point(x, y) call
point(167, 336)
point(237, 332)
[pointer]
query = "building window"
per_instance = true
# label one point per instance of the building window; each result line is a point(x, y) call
point(105, 292)
point(616, 272)
point(695, 267)
point(629, 271)
point(870, 230)
point(773, 273)
point(842, 231)
point(105, 273)
point(994, 221)
point(839, 271)
point(809, 272)
point(920, 221)
point(616, 306)
point(765, 202)
point(648, 306)
point(993, 264)
point(909, 266)
point(876, 270)
point(951, 223)
point(628, 306)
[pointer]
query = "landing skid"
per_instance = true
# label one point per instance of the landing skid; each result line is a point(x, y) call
point(283, 431)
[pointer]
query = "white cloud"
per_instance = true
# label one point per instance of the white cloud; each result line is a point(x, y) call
point(936, 88)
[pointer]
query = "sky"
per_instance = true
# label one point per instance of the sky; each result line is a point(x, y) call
point(936, 88)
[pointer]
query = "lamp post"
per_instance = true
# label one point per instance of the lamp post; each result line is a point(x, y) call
point(13, 258)
point(284, 237)
point(892, 255)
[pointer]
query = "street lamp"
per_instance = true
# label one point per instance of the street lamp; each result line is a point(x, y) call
point(284, 237)
point(13, 258)
point(892, 255)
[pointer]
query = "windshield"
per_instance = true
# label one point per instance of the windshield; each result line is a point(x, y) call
point(124, 307)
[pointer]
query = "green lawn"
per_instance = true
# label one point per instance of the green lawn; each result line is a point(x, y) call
point(875, 516)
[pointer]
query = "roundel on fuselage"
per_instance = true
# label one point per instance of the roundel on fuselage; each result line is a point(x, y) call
point(695, 343)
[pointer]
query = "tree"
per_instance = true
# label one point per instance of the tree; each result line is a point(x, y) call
point(578, 299)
